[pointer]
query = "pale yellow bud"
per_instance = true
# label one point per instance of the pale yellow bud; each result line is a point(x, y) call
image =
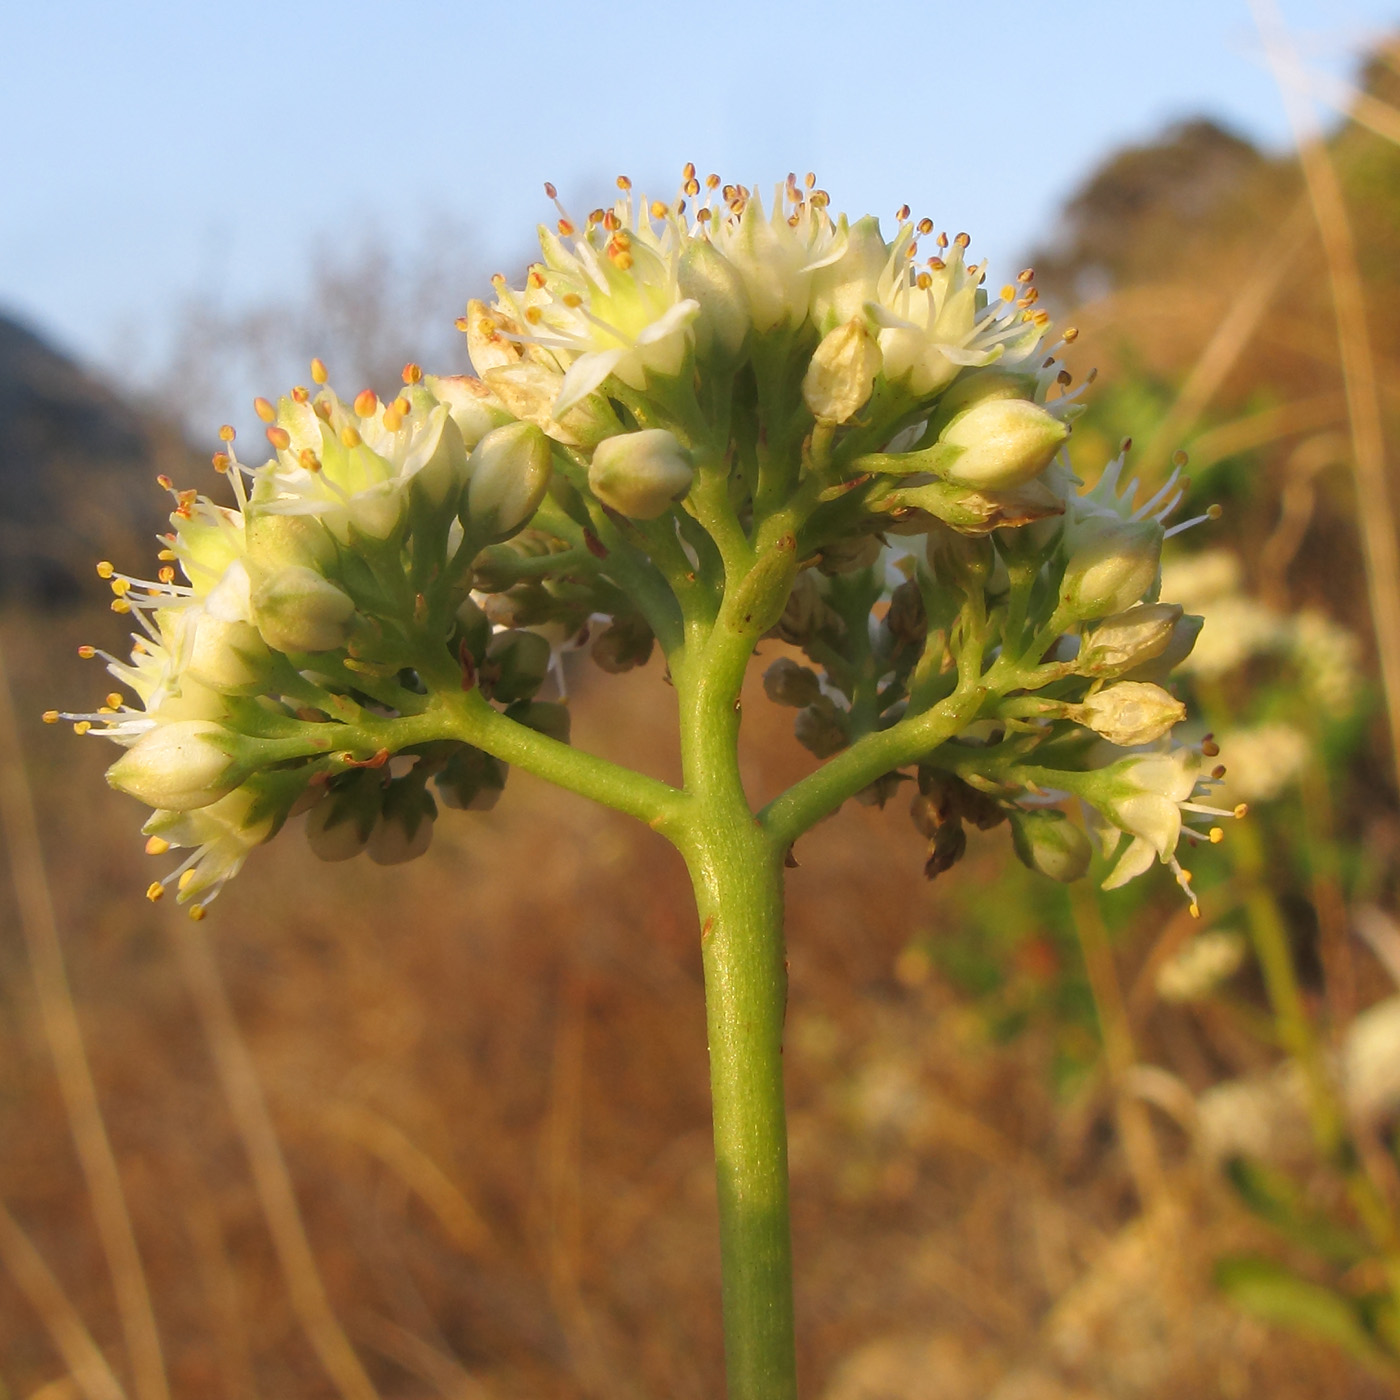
point(842, 372)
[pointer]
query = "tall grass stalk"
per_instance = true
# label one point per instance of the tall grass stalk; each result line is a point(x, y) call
point(1374, 509)
point(239, 1079)
point(39, 925)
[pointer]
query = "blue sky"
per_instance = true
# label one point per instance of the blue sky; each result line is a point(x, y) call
point(154, 151)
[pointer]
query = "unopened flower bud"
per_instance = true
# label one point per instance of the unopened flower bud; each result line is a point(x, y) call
point(338, 826)
point(1003, 444)
point(544, 716)
point(1179, 646)
point(842, 372)
point(1048, 842)
point(296, 609)
point(405, 826)
point(625, 644)
point(1130, 713)
point(472, 780)
point(179, 766)
point(642, 474)
point(907, 619)
point(1112, 563)
point(847, 555)
point(786, 682)
point(515, 665)
point(959, 561)
point(276, 540)
point(708, 277)
point(227, 656)
point(820, 727)
point(1128, 639)
point(510, 470)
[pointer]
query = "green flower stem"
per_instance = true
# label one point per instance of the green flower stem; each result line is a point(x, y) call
point(806, 802)
point(737, 873)
point(470, 718)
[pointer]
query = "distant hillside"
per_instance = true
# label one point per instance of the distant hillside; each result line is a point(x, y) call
point(77, 468)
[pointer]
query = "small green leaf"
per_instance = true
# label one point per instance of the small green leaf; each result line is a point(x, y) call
point(1273, 1294)
point(1274, 1197)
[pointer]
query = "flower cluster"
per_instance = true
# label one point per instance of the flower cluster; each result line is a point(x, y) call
point(709, 414)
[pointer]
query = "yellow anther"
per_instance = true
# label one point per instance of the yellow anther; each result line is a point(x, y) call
point(902, 213)
point(1026, 274)
point(121, 586)
point(550, 191)
point(963, 239)
point(924, 281)
point(1008, 292)
point(623, 183)
point(712, 182)
point(120, 605)
point(1179, 458)
point(226, 433)
point(309, 460)
point(197, 912)
point(280, 438)
point(566, 228)
point(1214, 512)
point(349, 437)
point(462, 324)
point(105, 569)
point(167, 556)
point(52, 716)
point(157, 846)
point(322, 410)
point(188, 878)
point(87, 652)
point(300, 393)
point(116, 699)
point(155, 890)
point(1071, 334)
point(658, 209)
point(1195, 910)
point(220, 461)
point(412, 373)
point(533, 315)
point(366, 401)
point(402, 406)
point(1241, 811)
point(318, 371)
point(264, 409)
point(393, 419)
point(105, 710)
point(1216, 835)
point(688, 170)
point(82, 726)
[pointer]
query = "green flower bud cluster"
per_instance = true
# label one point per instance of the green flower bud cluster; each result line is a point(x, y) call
point(709, 418)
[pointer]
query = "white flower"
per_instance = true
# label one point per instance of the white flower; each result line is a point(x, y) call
point(219, 837)
point(777, 253)
point(1194, 972)
point(1145, 797)
point(1263, 760)
point(352, 466)
point(606, 300)
point(935, 320)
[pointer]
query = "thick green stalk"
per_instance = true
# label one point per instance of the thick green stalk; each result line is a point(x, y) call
point(737, 872)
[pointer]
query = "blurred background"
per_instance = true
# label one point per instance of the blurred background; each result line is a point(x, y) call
point(442, 1130)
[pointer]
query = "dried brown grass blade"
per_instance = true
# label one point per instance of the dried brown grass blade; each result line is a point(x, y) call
point(1229, 341)
point(1374, 508)
point(239, 1079)
point(61, 1028)
point(418, 1171)
point(25, 1265)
